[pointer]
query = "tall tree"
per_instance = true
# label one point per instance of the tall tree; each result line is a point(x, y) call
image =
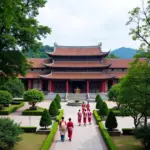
point(19, 31)
point(135, 89)
point(140, 20)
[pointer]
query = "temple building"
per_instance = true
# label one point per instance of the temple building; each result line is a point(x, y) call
point(70, 69)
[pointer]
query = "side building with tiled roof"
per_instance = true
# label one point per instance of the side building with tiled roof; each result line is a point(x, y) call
point(71, 67)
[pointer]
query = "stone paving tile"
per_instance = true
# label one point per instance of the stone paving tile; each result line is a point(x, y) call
point(84, 138)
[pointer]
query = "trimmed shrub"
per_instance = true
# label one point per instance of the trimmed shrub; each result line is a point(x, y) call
point(29, 129)
point(45, 119)
point(57, 102)
point(143, 133)
point(107, 138)
point(49, 140)
point(99, 102)
point(111, 122)
point(9, 133)
point(98, 97)
point(15, 87)
point(33, 96)
point(5, 98)
point(38, 112)
point(53, 110)
point(103, 111)
point(58, 97)
point(10, 109)
point(60, 115)
point(128, 131)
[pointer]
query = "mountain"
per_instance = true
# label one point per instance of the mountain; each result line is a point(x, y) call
point(124, 52)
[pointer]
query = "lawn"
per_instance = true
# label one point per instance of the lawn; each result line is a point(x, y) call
point(31, 141)
point(127, 143)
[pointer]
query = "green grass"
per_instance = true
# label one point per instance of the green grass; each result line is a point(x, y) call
point(31, 141)
point(37, 112)
point(127, 143)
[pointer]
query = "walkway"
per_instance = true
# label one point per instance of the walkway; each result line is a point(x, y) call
point(84, 138)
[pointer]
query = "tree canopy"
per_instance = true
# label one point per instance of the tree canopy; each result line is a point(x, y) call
point(139, 18)
point(19, 31)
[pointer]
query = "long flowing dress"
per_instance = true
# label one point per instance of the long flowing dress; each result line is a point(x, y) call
point(79, 117)
point(70, 127)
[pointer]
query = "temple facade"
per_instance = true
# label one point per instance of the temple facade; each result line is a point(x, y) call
point(71, 69)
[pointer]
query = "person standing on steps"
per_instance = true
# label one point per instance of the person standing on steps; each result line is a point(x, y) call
point(62, 129)
point(89, 116)
point(70, 127)
point(84, 117)
point(83, 107)
point(79, 117)
point(88, 106)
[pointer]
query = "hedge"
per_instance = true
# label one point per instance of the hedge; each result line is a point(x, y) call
point(108, 140)
point(11, 109)
point(128, 131)
point(29, 129)
point(58, 118)
point(38, 112)
point(119, 113)
point(49, 140)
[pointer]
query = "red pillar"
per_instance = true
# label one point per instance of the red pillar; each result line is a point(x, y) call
point(29, 84)
point(50, 86)
point(67, 86)
point(87, 86)
point(104, 86)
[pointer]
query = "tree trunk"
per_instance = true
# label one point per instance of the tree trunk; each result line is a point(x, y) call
point(145, 120)
point(45, 127)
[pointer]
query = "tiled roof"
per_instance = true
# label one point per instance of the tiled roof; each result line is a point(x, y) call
point(38, 62)
point(30, 75)
point(78, 64)
point(77, 51)
point(117, 75)
point(76, 75)
point(120, 63)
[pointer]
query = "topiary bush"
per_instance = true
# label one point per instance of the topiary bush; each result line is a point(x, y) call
point(57, 102)
point(103, 111)
point(9, 133)
point(111, 122)
point(45, 119)
point(15, 87)
point(53, 110)
point(98, 97)
point(33, 96)
point(99, 102)
point(58, 97)
point(5, 98)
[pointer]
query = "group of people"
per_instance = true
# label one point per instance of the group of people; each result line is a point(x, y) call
point(86, 113)
point(68, 126)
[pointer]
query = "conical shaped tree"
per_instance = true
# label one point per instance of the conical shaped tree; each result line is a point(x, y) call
point(53, 110)
point(57, 100)
point(45, 119)
point(103, 111)
point(98, 97)
point(111, 122)
point(99, 103)
point(58, 97)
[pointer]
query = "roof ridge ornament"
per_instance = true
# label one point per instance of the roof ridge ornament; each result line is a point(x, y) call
point(100, 44)
point(55, 44)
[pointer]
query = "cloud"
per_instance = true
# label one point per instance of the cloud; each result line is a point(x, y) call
point(88, 22)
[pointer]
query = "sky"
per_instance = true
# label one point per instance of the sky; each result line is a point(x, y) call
point(88, 22)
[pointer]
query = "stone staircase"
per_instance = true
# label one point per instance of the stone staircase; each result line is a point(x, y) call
point(80, 96)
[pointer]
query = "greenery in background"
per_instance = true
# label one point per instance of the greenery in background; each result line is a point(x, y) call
point(9, 133)
point(112, 56)
point(40, 53)
point(143, 133)
point(103, 111)
point(111, 122)
point(33, 96)
point(135, 91)
point(45, 119)
point(140, 18)
point(14, 86)
point(53, 110)
point(113, 94)
point(19, 31)
point(5, 98)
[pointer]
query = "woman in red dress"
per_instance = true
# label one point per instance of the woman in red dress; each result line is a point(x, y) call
point(79, 117)
point(70, 127)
